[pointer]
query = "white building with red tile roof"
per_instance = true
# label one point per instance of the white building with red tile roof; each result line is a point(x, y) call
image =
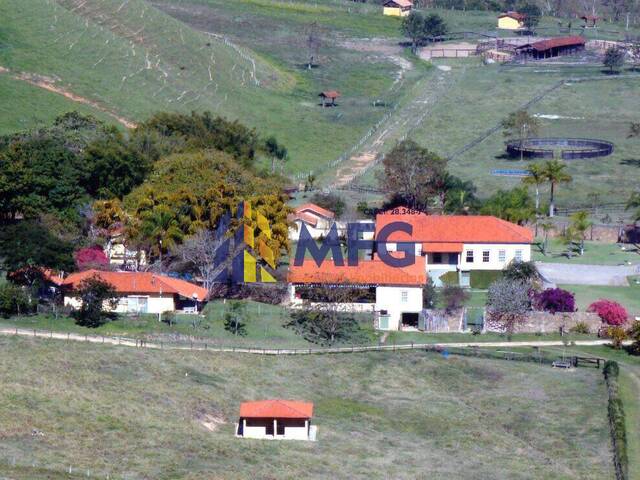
point(316, 219)
point(277, 420)
point(140, 292)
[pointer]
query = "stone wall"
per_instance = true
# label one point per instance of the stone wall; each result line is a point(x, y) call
point(544, 322)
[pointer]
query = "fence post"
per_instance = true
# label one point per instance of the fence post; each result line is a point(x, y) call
point(34, 332)
point(16, 330)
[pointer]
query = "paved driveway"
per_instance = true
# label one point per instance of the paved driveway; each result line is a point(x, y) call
point(586, 274)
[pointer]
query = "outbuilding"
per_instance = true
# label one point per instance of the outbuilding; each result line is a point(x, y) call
point(397, 8)
point(276, 420)
point(329, 98)
point(553, 47)
point(511, 21)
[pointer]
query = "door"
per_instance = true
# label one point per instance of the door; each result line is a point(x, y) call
point(465, 279)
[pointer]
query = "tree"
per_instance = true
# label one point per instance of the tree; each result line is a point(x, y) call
point(429, 295)
point(512, 205)
point(413, 175)
point(532, 14)
point(508, 304)
point(454, 297)
point(578, 228)
point(614, 59)
point(313, 42)
point(524, 272)
point(329, 321)
point(459, 196)
point(198, 253)
point(331, 202)
point(554, 300)
point(161, 228)
point(13, 300)
point(275, 151)
point(91, 257)
point(96, 294)
point(610, 312)
point(520, 125)
point(434, 26)
point(634, 202)
point(547, 226)
point(413, 27)
point(235, 318)
point(536, 178)
point(555, 173)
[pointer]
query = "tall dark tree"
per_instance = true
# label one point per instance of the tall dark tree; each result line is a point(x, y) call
point(413, 175)
point(413, 28)
point(532, 14)
point(614, 59)
point(99, 299)
point(275, 151)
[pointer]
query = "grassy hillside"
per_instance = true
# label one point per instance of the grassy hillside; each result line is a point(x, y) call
point(148, 415)
point(133, 59)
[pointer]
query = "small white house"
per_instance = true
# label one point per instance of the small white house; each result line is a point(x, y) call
point(276, 420)
point(140, 292)
point(318, 221)
point(119, 253)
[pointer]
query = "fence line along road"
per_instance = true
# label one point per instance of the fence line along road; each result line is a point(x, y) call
point(203, 346)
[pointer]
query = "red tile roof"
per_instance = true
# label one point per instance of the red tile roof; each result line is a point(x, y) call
point(367, 272)
point(442, 247)
point(140, 282)
point(304, 216)
point(454, 228)
point(543, 45)
point(276, 409)
point(400, 3)
point(330, 94)
point(315, 210)
point(515, 15)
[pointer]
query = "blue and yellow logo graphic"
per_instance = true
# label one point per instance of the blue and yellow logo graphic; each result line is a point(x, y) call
point(245, 257)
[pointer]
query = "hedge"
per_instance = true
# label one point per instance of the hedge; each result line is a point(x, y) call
point(483, 278)
point(616, 420)
point(450, 278)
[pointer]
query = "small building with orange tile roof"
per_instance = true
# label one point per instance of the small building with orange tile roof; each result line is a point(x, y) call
point(397, 8)
point(511, 21)
point(277, 420)
point(316, 219)
point(140, 292)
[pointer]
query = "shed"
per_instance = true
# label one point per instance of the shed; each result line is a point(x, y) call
point(553, 47)
point(590, 21)
point(329, 97)
point(276, 419)
point(511, 21)
point(397, 8)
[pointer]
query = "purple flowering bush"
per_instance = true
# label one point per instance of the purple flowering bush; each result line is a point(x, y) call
point(555, 300)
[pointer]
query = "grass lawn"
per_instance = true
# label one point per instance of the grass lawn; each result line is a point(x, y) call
point(595, 253)
point(141, 414)
point(587, 294)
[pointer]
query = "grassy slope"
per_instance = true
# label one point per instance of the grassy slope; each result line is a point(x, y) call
point(379, 416)
point(587, 294)
point(100, 50)
point(25, 106)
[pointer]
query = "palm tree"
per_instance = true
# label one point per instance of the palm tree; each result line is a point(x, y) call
point(546, 227)
point(161, 228)
point(554, 173)
point(634, 202)
point(580, 223)
point(536, 178)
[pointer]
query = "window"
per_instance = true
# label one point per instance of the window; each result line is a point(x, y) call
point(404, 296)
point(502, 256)
point(485, 256)
point(518, 256)
point(437, 258)
point(469, 256)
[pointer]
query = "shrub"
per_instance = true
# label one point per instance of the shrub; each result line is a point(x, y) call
point(555, 300)
point(522, 272)
point(450, 278)
point(429, 295)
point(617, 424)
point(483, 278)
point(13, 300)
point(235, 318)
point(617, 336)
point(508, 304)
point(580, 327)
point(454, 298)
point(90, 257)
point(95, 294)
point(634, 334)
point(610, 312)
point(331, 202)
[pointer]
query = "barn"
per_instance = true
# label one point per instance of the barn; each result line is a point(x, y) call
point(553, 47)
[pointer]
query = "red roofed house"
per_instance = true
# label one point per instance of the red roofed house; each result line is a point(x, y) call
point(397, 8)
point(276, 419)
point(461, 244)
point(141, 292)
point(398, 290)
point(511, 21)
point(318, 220)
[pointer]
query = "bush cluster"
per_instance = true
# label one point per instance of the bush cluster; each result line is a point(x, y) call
point(554, 300)
point(610, 312)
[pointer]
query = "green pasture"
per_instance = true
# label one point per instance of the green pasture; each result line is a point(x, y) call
point(132, 413)
point(595, 253)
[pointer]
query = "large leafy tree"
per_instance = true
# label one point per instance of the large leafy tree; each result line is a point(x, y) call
point(532, 14)
point(614, 59)
point(520, 125)
point(161, 228)
point(96, 294)
point(513, 205)
point(554, 172)
point(418, 28)
point(413, 175)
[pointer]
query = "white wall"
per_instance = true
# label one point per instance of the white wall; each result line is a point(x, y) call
point(494, 249)
point(293, 429)
point(155, 303)
point(391, 300)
